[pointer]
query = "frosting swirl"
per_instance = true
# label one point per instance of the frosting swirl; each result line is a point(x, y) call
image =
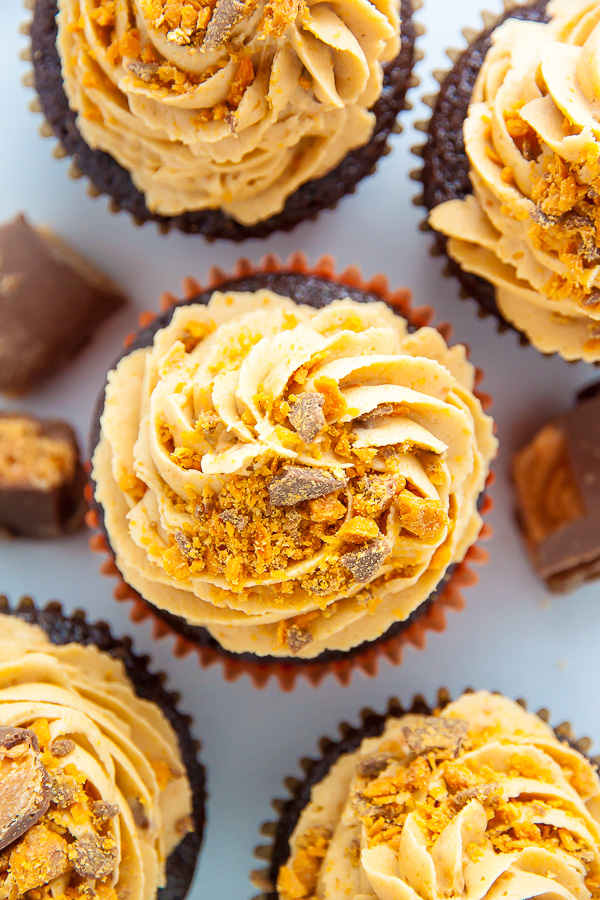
point(484, 802)
point(292, 479)
point(229, 104)
point(533, 140)
point(117, 799)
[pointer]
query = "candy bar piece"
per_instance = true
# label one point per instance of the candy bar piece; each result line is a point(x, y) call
point(24, 783)
point(226, 15)
point(557, 482)
point(41, 477)
point(51, 300)
point(436, 734)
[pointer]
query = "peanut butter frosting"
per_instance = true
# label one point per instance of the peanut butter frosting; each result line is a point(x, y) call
point(225, 104)
point(93, 791)
point(532, 136)
point(480, 801)
point(294, 480)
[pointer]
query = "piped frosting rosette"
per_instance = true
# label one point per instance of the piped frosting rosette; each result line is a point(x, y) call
point(481, 801)
point(533, 140)
point(294, 480)
point(230, 104)
point(93, 791)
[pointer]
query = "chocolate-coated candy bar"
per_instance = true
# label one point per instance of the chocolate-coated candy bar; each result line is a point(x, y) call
point(24, 783)
point(51, 300)
point(41, 477)
point(557, 481)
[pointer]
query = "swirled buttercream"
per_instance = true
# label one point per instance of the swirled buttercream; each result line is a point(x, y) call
point(532, 225)
point(116, 799)
point(481, 802)
point(230, 104)
point(292, 479)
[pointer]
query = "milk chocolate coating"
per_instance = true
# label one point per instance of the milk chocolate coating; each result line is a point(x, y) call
point(61, 629)
point(569, 554)
point(50, 304)
point(24, 784)
point(29, 510)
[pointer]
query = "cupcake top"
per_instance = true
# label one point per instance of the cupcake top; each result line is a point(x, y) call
point(533, 141)
point(481, 801)
point(293, 479)
point(93, 791)
point(229, 104)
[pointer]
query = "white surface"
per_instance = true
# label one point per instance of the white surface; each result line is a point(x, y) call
point(511, 637)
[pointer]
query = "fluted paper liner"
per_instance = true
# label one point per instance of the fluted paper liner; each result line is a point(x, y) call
point(379, 144)
point(430, 616)
point(437, 248)
point(273, 854)
point(63, 628)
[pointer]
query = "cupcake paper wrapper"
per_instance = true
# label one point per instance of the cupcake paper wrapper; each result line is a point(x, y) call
point(105, 176)
point(430, 616)
point(66, 629)
point(274, 854)
point(444, 171)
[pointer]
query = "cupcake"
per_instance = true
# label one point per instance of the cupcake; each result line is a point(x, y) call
point(481, 799)
point(230, 118)
point(101, 792)
point(288, 468)
point(517, 215)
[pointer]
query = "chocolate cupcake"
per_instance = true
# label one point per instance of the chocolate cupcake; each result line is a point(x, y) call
point(229, 118)
point(101, 790)
point(511, 174)
point(479, 798)
point(287, 469)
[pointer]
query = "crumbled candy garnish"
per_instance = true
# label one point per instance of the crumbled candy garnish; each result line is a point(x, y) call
point(365, 562)
point(298, 483)
point(306, 415)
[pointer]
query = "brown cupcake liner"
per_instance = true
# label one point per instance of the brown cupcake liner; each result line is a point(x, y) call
point(430, 616)
point(62, 628)
point(105, 177)
point(455, 182)
point(274, 854)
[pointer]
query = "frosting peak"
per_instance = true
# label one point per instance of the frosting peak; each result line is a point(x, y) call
point(533, 140)
point(228, 104)
point(481, 802)
point(290, 477)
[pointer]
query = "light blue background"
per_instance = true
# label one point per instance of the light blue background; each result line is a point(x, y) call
point(512, 635)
